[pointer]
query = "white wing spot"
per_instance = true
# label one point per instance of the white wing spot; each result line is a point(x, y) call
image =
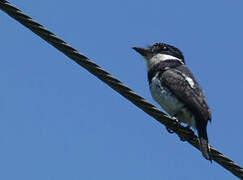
point(190, 81)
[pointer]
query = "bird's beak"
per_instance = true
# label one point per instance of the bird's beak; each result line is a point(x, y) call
point(142, 51)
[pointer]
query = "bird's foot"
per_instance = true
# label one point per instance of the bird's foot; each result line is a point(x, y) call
point(187, 128)
point(176, 122)
point(190, 135)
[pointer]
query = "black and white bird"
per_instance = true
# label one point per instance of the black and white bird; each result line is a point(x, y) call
point(176, 90)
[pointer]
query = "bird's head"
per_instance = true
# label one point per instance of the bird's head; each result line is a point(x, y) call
point(160, 52)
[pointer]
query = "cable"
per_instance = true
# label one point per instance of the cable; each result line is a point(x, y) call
point(182, 132)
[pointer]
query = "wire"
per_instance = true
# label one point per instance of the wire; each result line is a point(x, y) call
point(182, 132)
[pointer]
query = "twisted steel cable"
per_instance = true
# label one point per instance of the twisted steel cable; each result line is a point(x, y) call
point(182, 132)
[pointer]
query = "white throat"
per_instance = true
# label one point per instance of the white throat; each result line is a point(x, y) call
point(159, 58)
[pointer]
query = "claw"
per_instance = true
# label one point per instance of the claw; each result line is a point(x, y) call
point(190, 136)
point(169, 130)
point(176, 123)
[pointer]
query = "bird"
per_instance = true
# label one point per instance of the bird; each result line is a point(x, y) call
point(174, 87)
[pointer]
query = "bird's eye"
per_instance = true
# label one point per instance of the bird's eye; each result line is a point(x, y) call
point(164, 48)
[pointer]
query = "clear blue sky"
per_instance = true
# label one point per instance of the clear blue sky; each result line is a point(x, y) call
point(58, 122)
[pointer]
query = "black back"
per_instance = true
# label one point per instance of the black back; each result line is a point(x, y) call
point(173, 75)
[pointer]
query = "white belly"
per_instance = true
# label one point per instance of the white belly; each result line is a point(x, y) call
point(165, 98)
point(170, 103)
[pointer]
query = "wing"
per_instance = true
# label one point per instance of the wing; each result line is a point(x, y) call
point(184, 87)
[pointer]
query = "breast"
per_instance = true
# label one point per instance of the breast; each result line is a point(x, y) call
point(164, 97)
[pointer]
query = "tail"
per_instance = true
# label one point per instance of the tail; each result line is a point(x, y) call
point(203, 140)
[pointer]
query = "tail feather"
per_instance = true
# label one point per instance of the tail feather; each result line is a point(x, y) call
point(203, 140)
point(205, 148)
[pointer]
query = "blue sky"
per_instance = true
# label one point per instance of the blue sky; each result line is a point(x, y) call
point(58, 122)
